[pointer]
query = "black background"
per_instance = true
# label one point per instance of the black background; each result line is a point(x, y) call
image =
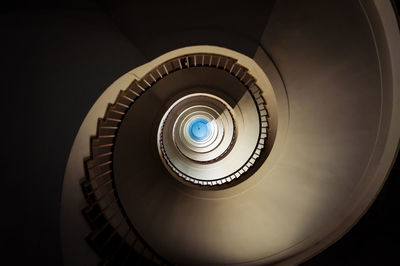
point(56, 60)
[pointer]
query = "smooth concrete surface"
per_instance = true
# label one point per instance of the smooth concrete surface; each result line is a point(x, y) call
point(385, 41)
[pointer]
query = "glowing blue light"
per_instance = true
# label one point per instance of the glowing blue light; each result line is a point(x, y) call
point(199, 129)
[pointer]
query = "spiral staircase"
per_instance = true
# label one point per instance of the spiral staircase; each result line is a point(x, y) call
point(304, 101)
point(318, 61)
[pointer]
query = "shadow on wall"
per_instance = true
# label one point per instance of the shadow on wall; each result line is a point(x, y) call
point(56, 63)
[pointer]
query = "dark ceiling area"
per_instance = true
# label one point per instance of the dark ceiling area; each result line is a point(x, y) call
point(58, 57)
point(158, 28)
